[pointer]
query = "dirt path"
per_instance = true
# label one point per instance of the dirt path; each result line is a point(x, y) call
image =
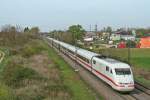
point(2, 54)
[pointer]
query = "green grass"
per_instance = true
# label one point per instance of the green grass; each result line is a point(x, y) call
point(5, 92)
point(71, 80)
point(13, 73)
point(141, 58)
point(142, 80)
point(32, 48)
point(5, 59)
point(142, 62)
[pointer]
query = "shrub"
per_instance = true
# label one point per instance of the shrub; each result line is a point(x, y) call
point(131, 44)
point(28, 51)
point(32, 48)
point(5, 93)
point(14, 73)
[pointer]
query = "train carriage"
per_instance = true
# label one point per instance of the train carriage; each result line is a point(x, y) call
point(115, 73)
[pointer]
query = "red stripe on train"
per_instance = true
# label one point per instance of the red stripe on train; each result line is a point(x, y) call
point(83, 62)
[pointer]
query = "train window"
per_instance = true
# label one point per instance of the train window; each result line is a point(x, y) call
point(101, 57)
point(111, 71)
point(122, 71)
point(88, 61)
point(83, 58)
point(94, 62)
point(70, 51)
point(107, 68)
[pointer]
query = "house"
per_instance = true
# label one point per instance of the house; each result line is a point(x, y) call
point(121, 45)
point(115, 37)
point(122, 32)
point(91, 35)
point(128, 37)
point(105, 34)
point(145, 42)
point(89, 38)
point(125, 35)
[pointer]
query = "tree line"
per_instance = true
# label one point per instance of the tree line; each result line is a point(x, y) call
point(16, 35)
point(74, 33)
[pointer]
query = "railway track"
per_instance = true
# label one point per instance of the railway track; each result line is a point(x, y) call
point(140, 93)
point(143, 88)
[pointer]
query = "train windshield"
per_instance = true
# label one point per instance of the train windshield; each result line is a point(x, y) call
point(122, 71)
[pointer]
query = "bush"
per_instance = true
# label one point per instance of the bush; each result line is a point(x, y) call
point(28, 51)
point(14, 73)
point(5, 93)
point(131, 44)
point(32, 48)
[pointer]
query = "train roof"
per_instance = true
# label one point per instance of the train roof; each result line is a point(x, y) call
point(68, 46)
point(113, 63)
point(109, 60)
point(84, 53)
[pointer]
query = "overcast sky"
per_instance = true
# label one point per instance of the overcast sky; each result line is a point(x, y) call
point(59, 14)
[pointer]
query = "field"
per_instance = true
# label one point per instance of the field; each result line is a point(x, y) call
point(139, 60)
point(36, 72)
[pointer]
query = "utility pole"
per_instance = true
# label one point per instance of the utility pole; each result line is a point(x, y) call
point(129, 51)
point(95, 28)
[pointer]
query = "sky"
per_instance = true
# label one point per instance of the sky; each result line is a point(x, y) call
point(60, 14)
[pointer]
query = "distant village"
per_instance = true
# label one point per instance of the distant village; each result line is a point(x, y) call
point(106, 37)
point(118, 39)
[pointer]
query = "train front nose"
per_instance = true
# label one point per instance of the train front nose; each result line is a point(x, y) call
point(124, 79)
point(125, 89)
point(125, 83)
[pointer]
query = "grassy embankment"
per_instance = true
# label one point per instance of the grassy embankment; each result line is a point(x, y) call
point(139, 59)
point(71, 79)
point(34, 71)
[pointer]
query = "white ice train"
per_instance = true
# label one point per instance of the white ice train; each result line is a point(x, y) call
point(115, 73)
